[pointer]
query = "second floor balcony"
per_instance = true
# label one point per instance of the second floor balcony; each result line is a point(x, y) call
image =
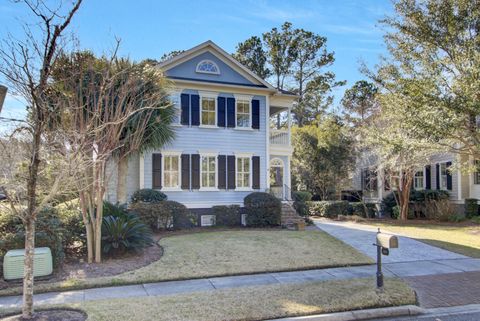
point(280, 129)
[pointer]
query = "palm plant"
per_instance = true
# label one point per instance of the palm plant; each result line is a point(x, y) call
point(124, 233)
point(158, 130)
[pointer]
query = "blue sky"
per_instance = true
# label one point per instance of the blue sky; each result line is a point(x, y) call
point(148, 29)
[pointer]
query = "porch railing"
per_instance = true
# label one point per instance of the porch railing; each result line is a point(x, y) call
point(279, 137)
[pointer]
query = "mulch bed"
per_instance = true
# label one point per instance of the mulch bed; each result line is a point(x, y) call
point(52, 315)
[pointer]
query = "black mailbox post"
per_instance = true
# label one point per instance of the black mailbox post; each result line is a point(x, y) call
point(384, 243)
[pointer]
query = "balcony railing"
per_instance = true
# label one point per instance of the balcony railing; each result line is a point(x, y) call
point(279, 137)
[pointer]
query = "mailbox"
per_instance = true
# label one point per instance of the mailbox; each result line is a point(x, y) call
point(384, 243)
point(387, 241)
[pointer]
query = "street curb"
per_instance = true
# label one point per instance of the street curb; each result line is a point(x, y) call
point(404, 310)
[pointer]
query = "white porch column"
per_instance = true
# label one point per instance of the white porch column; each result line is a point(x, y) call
point(267, 141)
point(142, 171)
point(289, 126)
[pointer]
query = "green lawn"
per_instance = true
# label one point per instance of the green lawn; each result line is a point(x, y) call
point(200, 255)
point(253, 303)
point(456, 237)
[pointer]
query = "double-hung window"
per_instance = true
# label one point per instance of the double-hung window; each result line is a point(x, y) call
point(418, 180)
point(243, 172)
point(243, 111)
point(208, 111)
point(476, 173)
point(175, 101)
point(171, 171)
point(443, 176)
point(243, 114)
point(208, 169)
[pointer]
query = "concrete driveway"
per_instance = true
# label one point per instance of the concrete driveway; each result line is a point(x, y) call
point(362, 238)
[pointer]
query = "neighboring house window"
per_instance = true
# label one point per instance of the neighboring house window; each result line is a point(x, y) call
point(208, 169)
point(476, 174)
point(208, 67)
point(418, 180)
point(243, 113)
point(243, 172)
point(171, 171)
point(443, 176)
point(369, 180)
point(208, 113)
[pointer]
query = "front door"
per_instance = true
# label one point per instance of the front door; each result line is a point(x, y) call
point(276, 178)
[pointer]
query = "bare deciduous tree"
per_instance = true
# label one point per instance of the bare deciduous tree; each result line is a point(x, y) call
point(26, 66)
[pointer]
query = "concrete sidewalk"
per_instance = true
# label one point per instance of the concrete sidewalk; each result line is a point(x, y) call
point(418, 268)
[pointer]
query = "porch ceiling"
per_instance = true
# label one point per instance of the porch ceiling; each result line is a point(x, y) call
point(277, 109)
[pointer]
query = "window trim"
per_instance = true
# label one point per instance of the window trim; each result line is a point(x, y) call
point(197, 68)
point(178, 155)
point(423, 180)
point(250, 178)
point(213, 96)
point(175, 99)
point(245, 98)
point(209, 154)
point(441, 178)
point(476, 172)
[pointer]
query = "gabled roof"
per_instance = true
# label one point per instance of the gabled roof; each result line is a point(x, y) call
point(216, 50)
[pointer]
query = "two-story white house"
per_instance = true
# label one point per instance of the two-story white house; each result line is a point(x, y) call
point(224, 147)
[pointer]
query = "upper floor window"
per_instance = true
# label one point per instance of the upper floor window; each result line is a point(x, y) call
point(418, 180)
point(175, 101)
point(243, 113)
point(208, 67)
point(208, 111)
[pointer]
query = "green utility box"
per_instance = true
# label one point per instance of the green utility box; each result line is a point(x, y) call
point(14, 260)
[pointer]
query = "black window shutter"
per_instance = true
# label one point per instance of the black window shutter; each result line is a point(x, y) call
point(185, 105)
point(195, 171)
point(256, 172)
point(221, 112)
point(231, 172)
point(449, 176)
point(428, 177)
point(374, 180)
point(230, 112)
point(255, 114)
point(222, 172)
point(157, 171)
point(195, 100)
point(185, 171)
point(437, 168)
point(386, 181)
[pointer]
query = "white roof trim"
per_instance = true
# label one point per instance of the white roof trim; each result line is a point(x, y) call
point(170, 63)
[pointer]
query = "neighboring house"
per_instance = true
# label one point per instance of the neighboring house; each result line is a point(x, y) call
point(439, 174)
point(225, 147)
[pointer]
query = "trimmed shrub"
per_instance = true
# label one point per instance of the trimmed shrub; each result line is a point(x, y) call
point(471, 207)
point(227, 215)
point(164, 215)
point(371, 210)
point(358, 209)
point(153, 214)
point(262, 209)
point(181, 216)
point(302, 196)
point(395, 212)
point(423, 199)
point(330, 209)
point(124, 233)
point(148, 195)
point(299, 202)
point(49, 233)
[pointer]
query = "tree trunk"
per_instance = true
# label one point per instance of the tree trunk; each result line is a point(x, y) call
point(27, 309)
point(122, 170)
point(88, 226)
point(99, 211)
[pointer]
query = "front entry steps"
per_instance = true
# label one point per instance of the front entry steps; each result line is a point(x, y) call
point(290, 219)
